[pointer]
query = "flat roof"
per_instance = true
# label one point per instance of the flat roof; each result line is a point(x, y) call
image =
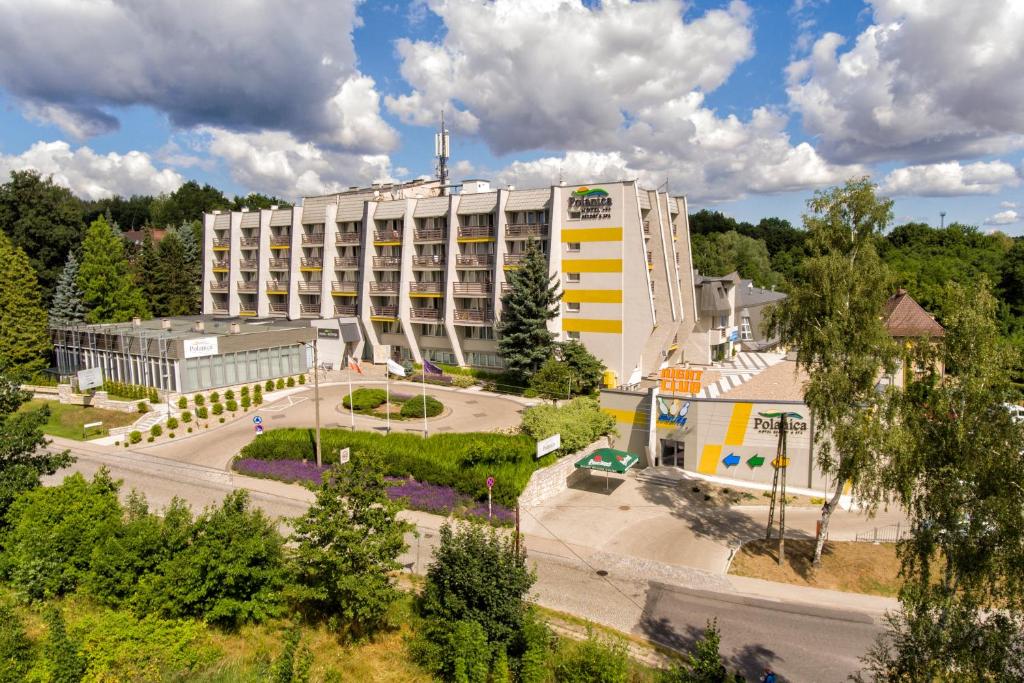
point(183, 327)
point(779, 382)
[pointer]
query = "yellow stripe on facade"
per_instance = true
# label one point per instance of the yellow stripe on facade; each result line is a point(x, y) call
point(592, 235)
point(277, 291)
point(311, 269)
point(383, 318)
point(425, 295)
point(388, 243)
point(280, 246)
point(341, 293)
point(247, 313)
point(592, 296)
point(738, 424)
point(589, 325)
point(473, 240)
point(626, 416)
point(709, 458)
point(592, 265)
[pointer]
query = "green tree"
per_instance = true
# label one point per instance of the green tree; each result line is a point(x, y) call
point(130, 214)
point(64, 658)
point(955, 468)
point(704, 664)
point(187, 203)
point(67, 307)
point(721, 253)
point(22, 458)
point(42, 219)
point(586, 369)
point(346, 546)
point(255, 201)
point(110, 292)
point(174, 279)
point(531, 301)
point(552, 380)
point(15, 647)
point(146, 265)
point(833, 318)
point(24, 340)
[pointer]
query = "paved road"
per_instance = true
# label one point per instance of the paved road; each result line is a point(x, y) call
point(801, 642)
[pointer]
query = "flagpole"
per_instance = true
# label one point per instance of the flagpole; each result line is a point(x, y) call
point(352, 408)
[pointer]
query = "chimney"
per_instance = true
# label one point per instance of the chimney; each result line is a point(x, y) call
point(561, 183)
point(244, 209)
point(511, 187)
point(273, 207)
point(235, 328)
point(199, 326)
point(136, 321)
point(165, 324)
point(216, 212)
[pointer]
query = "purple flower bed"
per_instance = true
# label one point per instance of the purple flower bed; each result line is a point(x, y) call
point(499, 513)
point(427, 497)
point(283, 470)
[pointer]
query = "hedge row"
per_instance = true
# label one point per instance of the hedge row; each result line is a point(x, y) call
point(461, 461)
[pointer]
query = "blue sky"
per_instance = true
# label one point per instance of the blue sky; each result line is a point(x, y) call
point(745, 107)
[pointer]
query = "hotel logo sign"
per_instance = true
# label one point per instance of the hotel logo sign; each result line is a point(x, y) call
point(768, 423)
point(589, 203)
point(201, 347)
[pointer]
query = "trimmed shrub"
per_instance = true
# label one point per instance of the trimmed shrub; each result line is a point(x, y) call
point(202, 412)
point(414, 407)
point(290, 382)
point(199, 399)
point(580, 422)
point(221, 420)
point(229, 394)
point(186, 417)
point(135, 436)
point(218, 408)
point(142, 407)
point(280, 383)
point(149, 439)
point(365, 399)
point(231, 405)
point(246, 402)
point(154, 397)
point(302, 379)
point(189, 430)
point(182, 402)
point(269, 386)
point(172, 423)
point(214, 397)
point(170, 435)
point(126, 443)
point(156, 430)
point(245, 391)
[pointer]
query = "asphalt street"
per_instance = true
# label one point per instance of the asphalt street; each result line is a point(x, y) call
point(802, 643)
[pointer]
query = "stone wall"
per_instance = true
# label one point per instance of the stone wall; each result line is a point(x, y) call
point(65, 394)
point(548, 482)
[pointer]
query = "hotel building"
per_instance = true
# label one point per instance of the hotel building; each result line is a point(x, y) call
point(422, 272)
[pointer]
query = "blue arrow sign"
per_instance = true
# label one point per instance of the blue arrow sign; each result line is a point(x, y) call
point(731, 460)
point(257, 420)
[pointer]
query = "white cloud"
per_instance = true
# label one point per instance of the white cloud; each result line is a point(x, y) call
point(950, 179)
point(607, 92)
point(926, 81)
point(242, 65)
point(1007, 205)
point(278, 164)
point(1003, 218)
point(91, 175)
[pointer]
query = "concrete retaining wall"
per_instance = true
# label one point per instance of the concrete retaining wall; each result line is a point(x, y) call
point(548, 482)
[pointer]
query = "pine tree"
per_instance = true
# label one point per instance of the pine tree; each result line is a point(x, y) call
point(532, 300)
point(176, 289)
point(67, 307)
point(146, 265)
point(24, 340)
point(109, 291)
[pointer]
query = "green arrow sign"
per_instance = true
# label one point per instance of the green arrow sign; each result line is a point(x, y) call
point(755, 461)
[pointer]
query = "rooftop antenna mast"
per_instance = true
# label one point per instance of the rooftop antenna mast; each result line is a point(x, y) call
point(942, 219)
point(442, 150)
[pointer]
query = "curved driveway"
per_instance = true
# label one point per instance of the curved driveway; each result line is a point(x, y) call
point(465, 411)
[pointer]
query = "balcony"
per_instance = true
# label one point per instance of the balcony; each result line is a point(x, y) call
point(313, 238)
point(246, 310)
point(387, 236)
point(647, 228)
point(474, 316)
point(428, 261)
point(249, 242)
point(346, 262)
point(346, 238)
point(383, 288)
point(392, 262)
point(313, 262)
point(430, 235)
point(345, 309)
point(218, 285)
point(425, 287)
point(474, 260)
point(384, 311)
point(281, 241)
point(310, 287)
point(279, 264)
point(220, 266)
point(247, 285)
point(309, 310)
point(476, 233)
point(506, 287)
point(472, 288)
point(513, 260)
point(526, 230)
point(429, 314)
point(223, 243)
point(347, 286)
point(277, 287)
point(248, 264)
point(278, 308)
point(220, 306)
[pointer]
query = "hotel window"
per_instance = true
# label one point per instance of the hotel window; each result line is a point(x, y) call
point(572, 306)
point(723, 321)
point(485, 333)
point(572, 246)
point(572, 277)
point(575, 336)
point(745, 333)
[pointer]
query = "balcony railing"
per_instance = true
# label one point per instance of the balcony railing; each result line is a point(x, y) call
point(345, 309)
point(472, 231)
point(249, 242)
point(387, 262)
point(474, 315)
point(278, 308)
point(282, 240)
point(429, 261)
point(385, 311)
point(647, 228)
point(430, 234)
point(312, 238)
point(218, 286)
point(311, 287)
point(425, 287)
point(526, 230)
point(506, 287)
point(471, 288)
point(346, 238)
point(222, 243)
point(346, 262)
point(248, 264)
point(387, 236)
point(345, 286)
point(251, 310)
point(220, 306)
point(383, 287)
point(315, 262)
point(425, 314)
point(277, 286)
point(279, 264)
point(474, 260)
point(220, 265)
point(247, 285)
point(309, 310)
point(514, 260)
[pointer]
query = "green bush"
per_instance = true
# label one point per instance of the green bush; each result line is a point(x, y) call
point(153, 396)
point(64, 659)
point(592, 660)
point(149, 439)
point(156, 430)
point(245, 391)
point(214, 397)
point(15, 647)
point(132, 392)
point(229, 395)
point(218, 408)
point(414, 407)
point(199, 400)
point(186, 417)
point(182, 402)
point(135, 436)
point(461, 461)
point(257, 399)
point(231, 405)
point(142, 407)
point(221, 420)
point(290, 382)
point(269, 386)
point(246, 401)
point(364, 399)
point(462, 381)
point(280, 383)
point(202, 412)
point(579, 421)
point(302, 379)
point(172, 423)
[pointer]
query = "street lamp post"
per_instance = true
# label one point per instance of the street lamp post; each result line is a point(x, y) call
point(316, 398)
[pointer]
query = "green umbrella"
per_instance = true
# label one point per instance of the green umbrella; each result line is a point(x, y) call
point(608, 460)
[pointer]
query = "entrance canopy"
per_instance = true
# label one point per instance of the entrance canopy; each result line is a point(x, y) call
point(608, 460)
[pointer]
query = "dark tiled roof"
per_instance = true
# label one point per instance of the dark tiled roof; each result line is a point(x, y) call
point(747, 295)
point(904, 317)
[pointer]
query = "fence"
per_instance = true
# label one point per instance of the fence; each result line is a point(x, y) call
point(884, 534)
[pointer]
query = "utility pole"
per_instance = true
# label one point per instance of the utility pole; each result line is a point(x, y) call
point(942, 219)
point(779, 487)
point(316, 399)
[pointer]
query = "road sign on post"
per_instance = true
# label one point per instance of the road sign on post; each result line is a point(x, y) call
point(257, 420)
point(343, 456)
point(490, 485)
point(259, 429)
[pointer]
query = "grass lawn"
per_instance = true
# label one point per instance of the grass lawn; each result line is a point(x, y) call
point(67, 420)
point(845, 565)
